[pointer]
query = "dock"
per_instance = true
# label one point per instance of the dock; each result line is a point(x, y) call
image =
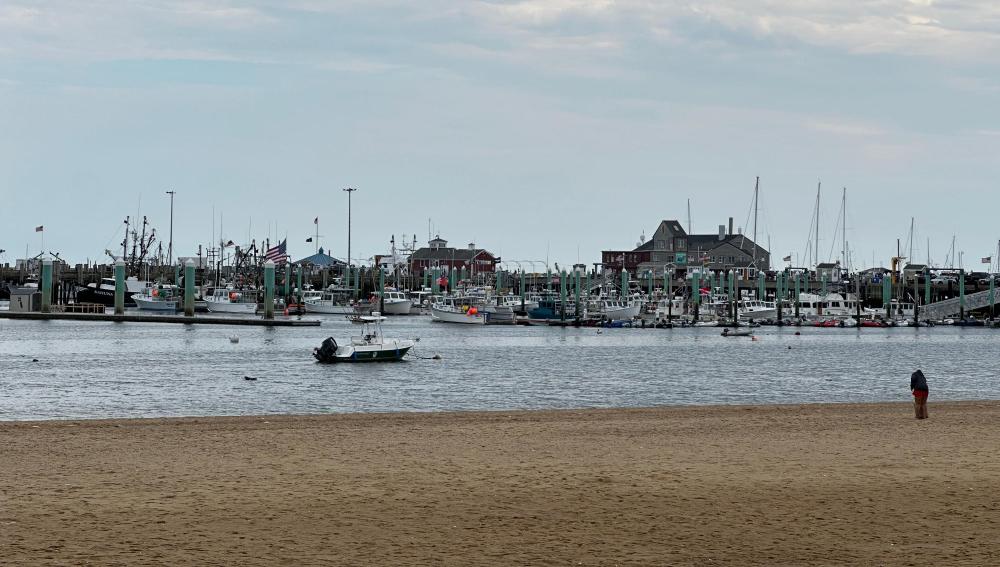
point(176, 319)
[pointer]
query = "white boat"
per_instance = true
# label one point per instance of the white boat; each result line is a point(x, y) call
point(158, 298)
point(396, 303)
point(337, 302)
point(829, 305)
point(757, 310)
point(231, 300)
point(618, 309)
point(667, 309)
point(462, 310)
point(371, 346)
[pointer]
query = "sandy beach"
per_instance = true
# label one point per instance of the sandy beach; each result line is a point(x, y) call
point(774, 485)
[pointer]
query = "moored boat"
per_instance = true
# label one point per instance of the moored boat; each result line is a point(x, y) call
point(370, 346)
point(461, 310)
point(158, 298)
point(231, 300)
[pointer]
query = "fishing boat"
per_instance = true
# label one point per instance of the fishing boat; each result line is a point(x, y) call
point(396, 303)
point(757, 309)
point(229, 300)
point(371, 346)
point(618, 309)
point(103, 292)
point(337, 302)
point(461, 310)
point(158, 298)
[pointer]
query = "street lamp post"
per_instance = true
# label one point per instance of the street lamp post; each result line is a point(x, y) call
point(170, 246)
point(349, 190)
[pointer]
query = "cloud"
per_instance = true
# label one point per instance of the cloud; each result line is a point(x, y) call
point(845, 128)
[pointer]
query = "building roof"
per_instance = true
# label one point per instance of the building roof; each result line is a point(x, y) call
point(321, 259)
point(827, 265)
point(708, 242)
point(447, 254)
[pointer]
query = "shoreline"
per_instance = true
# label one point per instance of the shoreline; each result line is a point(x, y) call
point(808, 484)
point(489, 412)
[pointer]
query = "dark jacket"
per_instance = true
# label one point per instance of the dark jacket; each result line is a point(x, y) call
point(918, 382)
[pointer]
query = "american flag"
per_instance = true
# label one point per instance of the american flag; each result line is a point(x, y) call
point(277, 254)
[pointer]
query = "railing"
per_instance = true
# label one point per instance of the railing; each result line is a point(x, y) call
point(952, 306)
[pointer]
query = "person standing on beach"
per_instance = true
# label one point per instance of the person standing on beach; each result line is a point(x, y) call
point(918, 385)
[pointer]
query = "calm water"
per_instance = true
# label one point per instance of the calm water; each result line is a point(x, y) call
point(90, 370)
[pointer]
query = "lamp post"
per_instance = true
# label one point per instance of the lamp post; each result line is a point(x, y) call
point(349, 190)
point(170, 246)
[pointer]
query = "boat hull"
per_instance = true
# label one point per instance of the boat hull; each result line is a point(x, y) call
point(397, 307)
point(105, 297)
point(230, 307)
point(445, 316)
point(155, 305)
point(326, 308)
point(622, 313)
point(392, 350)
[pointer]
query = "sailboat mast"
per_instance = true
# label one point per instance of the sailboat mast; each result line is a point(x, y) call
point(689, 216)
point(816, 244)
point(845, 261)
point(910, 257)
point(756, 197)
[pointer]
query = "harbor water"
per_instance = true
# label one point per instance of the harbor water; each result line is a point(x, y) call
point(106, 370)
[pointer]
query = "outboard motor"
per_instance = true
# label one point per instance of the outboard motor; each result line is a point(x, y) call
point(327, 351)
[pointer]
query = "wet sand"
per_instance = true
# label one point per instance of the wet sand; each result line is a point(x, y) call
point(773, 485)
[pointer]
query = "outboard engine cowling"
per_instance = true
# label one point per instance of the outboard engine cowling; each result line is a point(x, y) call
point(327, 352)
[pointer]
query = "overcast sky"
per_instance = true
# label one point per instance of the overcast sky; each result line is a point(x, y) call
point(541, 127)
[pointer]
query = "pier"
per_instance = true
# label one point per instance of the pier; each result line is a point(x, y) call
point(139, 318)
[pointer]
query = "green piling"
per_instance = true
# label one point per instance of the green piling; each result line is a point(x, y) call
point(120, 287)
point(576, 282)
point(761, 287)
point(992, 295)
point(381, 289)
point(46, 285)
point(562, 295)
point(268, 290)
point(288, 281)
point(927, 288)
point(961, 293)
point(624, 283)
point(189, 287)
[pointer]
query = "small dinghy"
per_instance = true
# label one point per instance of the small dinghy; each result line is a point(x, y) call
point(371, 346)
point(727, 332)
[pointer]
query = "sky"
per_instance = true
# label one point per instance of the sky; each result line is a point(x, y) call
point(538, 129)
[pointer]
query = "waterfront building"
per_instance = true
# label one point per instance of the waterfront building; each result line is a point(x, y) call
point(438, 254)
point(672, 248)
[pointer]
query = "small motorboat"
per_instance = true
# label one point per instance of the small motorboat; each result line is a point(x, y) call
point(738, 332)
point(371, 346)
